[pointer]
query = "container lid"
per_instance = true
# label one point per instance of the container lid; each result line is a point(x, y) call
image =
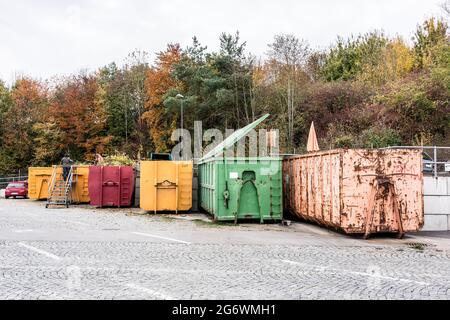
point(233, 138)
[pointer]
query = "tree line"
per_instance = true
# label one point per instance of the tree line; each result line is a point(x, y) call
point(368, 91)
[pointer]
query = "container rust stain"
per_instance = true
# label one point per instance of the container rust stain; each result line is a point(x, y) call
point(357, 191)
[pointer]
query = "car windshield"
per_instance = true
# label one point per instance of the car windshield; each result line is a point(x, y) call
point(16, 185)
point(427, 157)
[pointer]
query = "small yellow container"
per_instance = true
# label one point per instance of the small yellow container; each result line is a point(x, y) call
point(166, 185)
point(39, 179)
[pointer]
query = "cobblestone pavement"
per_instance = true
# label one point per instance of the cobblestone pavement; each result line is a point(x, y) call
point(83, 253)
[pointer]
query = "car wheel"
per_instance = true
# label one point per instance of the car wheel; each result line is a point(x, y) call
point(6, 197)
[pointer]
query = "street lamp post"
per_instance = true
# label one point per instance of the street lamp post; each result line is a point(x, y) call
point(181, 97)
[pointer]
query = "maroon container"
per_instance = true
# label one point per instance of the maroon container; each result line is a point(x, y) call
point(111, 186)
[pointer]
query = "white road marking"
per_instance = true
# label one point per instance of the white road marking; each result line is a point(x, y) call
point(43, 252)
point(23, 231)
point(356, 273)
point(79, 223)
point(159, 237)
point(150, 292)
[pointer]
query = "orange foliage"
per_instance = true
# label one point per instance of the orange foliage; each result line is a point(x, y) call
point(29, 99)
point(159, 81)
point(78, 108)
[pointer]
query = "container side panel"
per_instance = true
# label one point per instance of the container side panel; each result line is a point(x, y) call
point(375, 183)
point(357, 190)
point(95, 186)
point(244, 189)
point(80, 193)
point(314, 184)
point(126, 186)
point(185, 170)
point(166, 185)
point(38, 180)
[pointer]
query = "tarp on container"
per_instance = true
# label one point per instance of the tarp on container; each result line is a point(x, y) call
point(111, 186)
point(313, 144)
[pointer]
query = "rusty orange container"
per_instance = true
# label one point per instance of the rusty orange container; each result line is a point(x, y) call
point(357, 191)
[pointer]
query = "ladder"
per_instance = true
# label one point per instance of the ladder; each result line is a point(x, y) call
point(60, 190)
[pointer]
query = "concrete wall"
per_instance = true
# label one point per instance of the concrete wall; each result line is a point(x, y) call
point(437, 203)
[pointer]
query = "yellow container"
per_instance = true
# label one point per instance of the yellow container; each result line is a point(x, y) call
point(39, 179)
point(166, 185)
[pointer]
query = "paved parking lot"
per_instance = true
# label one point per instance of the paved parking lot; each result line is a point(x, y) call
point(86, 253)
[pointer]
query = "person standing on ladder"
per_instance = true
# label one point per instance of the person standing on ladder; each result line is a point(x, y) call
point(66, 163)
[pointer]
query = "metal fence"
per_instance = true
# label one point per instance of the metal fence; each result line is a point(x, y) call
point(6, 179)
point(436, 159)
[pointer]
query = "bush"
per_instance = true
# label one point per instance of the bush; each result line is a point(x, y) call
point(345, 141)
point(380, 138)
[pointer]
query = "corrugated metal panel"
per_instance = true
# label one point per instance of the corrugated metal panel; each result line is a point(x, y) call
point(166, 185)
point(38, 180)
point(358, 191)
point(241, 188)
point(111, 186)
point(80, 194)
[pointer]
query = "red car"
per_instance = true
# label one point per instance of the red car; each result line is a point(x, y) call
point(17, 189)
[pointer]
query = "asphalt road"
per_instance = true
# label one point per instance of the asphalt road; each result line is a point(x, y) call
point(86, 253)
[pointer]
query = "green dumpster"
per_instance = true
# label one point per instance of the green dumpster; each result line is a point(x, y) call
point(233, 189)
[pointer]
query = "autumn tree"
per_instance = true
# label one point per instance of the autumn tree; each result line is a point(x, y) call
point(78, 107)
point(5, 105)
point(158, 83)
point(349, 58)
point(430, 38)
point(135, 77)
point(288, 55)
point(28, 104)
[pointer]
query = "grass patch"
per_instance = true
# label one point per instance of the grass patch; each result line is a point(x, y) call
point(167, 218)
point(417, 246)
point(212, 224)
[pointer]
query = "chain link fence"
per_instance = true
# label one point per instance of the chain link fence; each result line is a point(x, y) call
point(20, 175)
point(436, 160)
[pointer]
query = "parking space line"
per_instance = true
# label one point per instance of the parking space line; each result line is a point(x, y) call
point(159, 237)
point(77, 222)
point(150, 292)
point(356, 273)
point(23, 231)
point(43, 252)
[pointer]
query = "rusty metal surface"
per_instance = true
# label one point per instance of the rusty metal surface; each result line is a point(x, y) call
point(357, 191)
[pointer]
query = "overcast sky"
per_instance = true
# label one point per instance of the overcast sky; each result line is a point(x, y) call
point(56, 37)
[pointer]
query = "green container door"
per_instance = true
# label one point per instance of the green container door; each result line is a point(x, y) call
point(239, 189)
